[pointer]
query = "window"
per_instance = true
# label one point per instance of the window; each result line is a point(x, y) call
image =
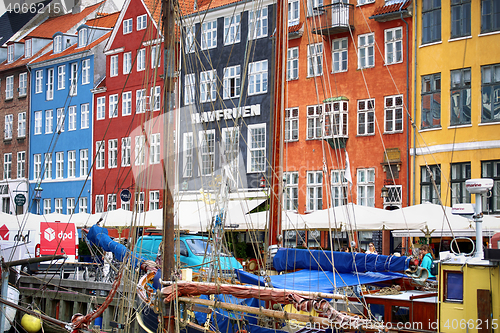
point(10, 53)
point(257, 76)
point(112, 153)
point(21, 125)
point(99, 158)
point(460, 172)
point(50, 84)
point(61, 77)
point(85, 116)
point(126, 151)
point(257, 27)
point(187, 167)
point(73, 79)
point(155, 56)
point(9, 123)
point(314, 59)
point(428, 176)
point(460, 97)
point(7, 166)
point(154, 149)
point(364, 2)
point(232, 82)
point(127, 62)
point(339, 55)
point(313, 7)
point(366, 50)
point(393, 46)
point(99, 203)
point(46, 206)
point(490, 15)
point(490, 93)
point(256, 148)
point(314, 117)
point(208, 86)
point(190, 39)
point(232, 29)
point(393, 114)
point(84, 162)
point(207, 150)
point(431, 101)
point(140, 152)
point(57, 44)
point(366, 187)
point(292, 70)
point(140, 97)
point(113, 106)
point(49, 121)
point(141, 22)
point(37, 166)
point(125, 205)
point(9, 87)
point(460, 18)
point(141, 60)
point(127, 26)
point(139, 202)
point(431, 21)
point(47, 165)
point(366, 117)
point(113, 66)
point(60, 120)
point(38, 122)
point(339, 188)
point(111, 202)
point(86, 71)
point(314, 190)
point(231, 142)
point(101, 108)
point(21, 164)
point(82, 205)
point(453, 286)
point(156, 98)
point(491, 169)
point(60, 165)
point(292, 124)
point(23, 84)
point(82, 37)
point(38, 81)
point(72, 118)
point(27, 48)
point(71, 163)
point(58, 206)
point(394, 195)
point(291, 191)
point(154, 200)
point(127, 103)
point(189, 88)
point(293, 12)
point(70, 206)
point(209, 35)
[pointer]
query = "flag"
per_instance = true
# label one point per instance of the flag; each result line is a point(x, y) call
point(347, 173)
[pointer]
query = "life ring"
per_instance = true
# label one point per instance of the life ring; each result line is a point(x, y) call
point(252, 265)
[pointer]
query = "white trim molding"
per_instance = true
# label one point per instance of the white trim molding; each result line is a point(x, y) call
point(464, 146)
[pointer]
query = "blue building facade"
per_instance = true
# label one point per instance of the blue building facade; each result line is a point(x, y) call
point(61, 110)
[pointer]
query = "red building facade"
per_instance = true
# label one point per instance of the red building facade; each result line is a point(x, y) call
point(128, 128)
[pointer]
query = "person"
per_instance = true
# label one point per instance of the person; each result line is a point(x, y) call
point(426, 258)
point(371, 249)
point(345, 249)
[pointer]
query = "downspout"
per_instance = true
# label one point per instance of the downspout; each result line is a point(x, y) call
point(407, 100)
point(415, 47)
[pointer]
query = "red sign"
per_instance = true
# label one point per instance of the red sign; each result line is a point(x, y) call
point(56, 237)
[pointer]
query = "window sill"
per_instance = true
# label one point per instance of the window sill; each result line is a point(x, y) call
point(366, 3)
point(21, 138)
point(22, 95)
point(368, 67)
point(7, 140)
point(489, 123)
point(313, 76)
point(394, 63)
point(459, 126)
point(431, 44)
point(292, 79)
point(338, 72)
point(9, 99)
point(489, 33)
point(430, 129)
point(289, 141)
point(364, 135)
point(458, 38)
point(393, 132)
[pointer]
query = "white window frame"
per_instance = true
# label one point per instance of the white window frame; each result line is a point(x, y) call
point(82, 37)
point(188, 145)
point(127, 26)
point(293, 12)
point(86, 71)
point(340, 187)
point(231, 145)
point(189, 88)
point(340, 55)
point(100, 155)
point(258, 78)
point(38, 123)
point(10, 53)
point(207, 152)
point(155, 56)
point(292, 70)
point(111, 202)
point(190, 39)
point(47, 165)
point(9, 87)
point(232, 82)
point(139, 202)
point(126, 151)
point(113, 66)
point(314, 190)
point(99, 203)
point(392, 44)
point(57, 44)
point(154, 149)
point(291, 124)
point(61, 77)
point(209, 35)
point(112, 153)
point(85, 116)
point(21, 164)
point(84, 162)
point(9, 126)
point(393, 114)
point(311, 5)
point(21, 125)
point(258, 23)
point(256, 150)
point(60, 120)
point(58, 205)
point(73, 90)
point(7, 166)
point(364, 2)
point(140, 150)
point(366, 50)
point(314, 119)
point(38, 81)
point(23, 84)
point(336, 119)
point(59, 165)
point(28, 49)
point(142, 22)
point(83, 205)
point(314, 59)
point(366, 187)
point(291, 190)
point(71, 163)
point(127, 62)
point(113, 106)
point(155, 98)
point(127, 103)
point(49, 121)
point(101, 107)
point(154, 200)
point(141, 100)
point(37, 166)
point(50, 84)
point(47, 206)
point(208, 86)
point(232, 29)
point(365, 112)
point(141, 60)
point(72, 118)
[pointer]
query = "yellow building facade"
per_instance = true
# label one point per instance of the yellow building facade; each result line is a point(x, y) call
point(456, 100)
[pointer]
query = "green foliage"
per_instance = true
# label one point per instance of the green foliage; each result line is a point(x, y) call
point(241, 250)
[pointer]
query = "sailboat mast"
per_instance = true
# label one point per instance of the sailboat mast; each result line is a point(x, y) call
point(276, 204)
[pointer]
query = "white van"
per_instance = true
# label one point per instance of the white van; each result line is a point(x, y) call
point(40, 239)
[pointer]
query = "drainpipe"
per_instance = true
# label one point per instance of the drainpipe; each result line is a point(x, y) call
point(407, 100)
point(415, 47)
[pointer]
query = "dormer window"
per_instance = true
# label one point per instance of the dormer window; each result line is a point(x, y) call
point(10, 53)
point(27, 49)
point(82, 37)
point(57, 44)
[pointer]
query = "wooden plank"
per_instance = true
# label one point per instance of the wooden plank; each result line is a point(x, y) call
point(484, 310)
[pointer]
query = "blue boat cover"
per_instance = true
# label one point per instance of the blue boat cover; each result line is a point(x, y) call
point(344, 262)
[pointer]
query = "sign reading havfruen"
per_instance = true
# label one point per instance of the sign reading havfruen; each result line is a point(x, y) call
point(226, 114)
point(56, 237)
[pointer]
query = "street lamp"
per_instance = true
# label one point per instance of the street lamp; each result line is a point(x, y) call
point(384, 192)
point(38, 197)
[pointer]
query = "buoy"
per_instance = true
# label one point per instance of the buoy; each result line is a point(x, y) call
point(31, 324)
